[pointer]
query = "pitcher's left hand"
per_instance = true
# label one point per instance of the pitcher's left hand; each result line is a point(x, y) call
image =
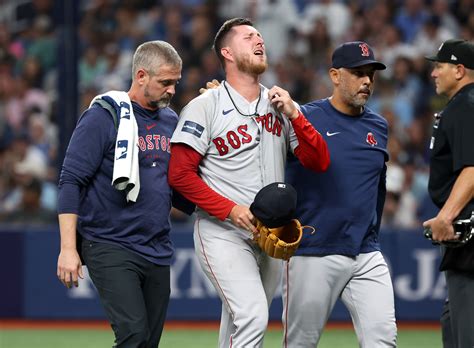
point(281, 99)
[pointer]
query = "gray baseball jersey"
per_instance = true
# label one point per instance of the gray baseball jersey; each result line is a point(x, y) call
point(241, 153)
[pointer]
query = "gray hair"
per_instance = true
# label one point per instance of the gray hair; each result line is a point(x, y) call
point(151, 55)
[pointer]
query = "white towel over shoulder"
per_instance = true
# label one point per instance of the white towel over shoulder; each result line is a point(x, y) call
point(126, 171)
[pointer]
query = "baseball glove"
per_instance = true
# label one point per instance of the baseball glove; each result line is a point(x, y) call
point(464, 230)
point(279, 242)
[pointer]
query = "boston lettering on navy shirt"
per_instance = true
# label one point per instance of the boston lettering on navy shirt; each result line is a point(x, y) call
point(104, 214)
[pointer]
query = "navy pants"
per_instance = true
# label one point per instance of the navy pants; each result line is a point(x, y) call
point(134, 292)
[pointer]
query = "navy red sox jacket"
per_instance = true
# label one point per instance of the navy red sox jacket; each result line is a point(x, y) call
point(85, 183)
point(344, 203)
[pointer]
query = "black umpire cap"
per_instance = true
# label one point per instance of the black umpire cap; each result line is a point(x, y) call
point(354, 54)
point(455, 51)
point(275, 204)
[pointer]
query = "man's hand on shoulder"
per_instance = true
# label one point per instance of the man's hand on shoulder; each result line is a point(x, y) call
point(281, 99)
point(210, 85)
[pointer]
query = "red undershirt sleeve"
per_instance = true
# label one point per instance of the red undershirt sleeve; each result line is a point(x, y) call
point(183, 177)
point(312, 150)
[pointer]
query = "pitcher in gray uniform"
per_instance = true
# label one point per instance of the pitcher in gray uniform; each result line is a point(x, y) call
point(229, 143)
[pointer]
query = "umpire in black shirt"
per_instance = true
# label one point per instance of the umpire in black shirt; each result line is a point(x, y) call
point(451, 184)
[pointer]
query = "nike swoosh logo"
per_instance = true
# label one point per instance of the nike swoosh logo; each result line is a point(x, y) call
point(331, 134)
point(224, 112)
point(148, 127)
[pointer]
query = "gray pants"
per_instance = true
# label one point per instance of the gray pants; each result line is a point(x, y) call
point(134, 292)
point(458, 316)
point(245, 278)
point(312, 284)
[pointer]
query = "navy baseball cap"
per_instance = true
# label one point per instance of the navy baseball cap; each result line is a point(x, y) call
point(354, 54)
point(275, 204)
point(455, 51)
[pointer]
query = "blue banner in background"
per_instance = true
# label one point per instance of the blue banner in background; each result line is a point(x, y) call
point(11, 272)
point(31, 290)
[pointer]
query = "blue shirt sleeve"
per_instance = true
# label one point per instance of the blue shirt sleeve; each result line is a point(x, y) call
point(382, 192)
point(91, 139)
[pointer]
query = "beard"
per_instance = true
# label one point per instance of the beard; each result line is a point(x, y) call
point(355, 100)
point(161, 103)
point(245, 65)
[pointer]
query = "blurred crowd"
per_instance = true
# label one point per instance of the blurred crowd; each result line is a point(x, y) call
point(299, 35)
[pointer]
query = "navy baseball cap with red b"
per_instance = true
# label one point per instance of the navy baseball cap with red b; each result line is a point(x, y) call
point(275, 204)
point(354, 54)
point(455, 51)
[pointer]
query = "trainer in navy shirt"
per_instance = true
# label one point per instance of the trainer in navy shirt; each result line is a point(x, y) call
point(85, 184)
point(123, 237)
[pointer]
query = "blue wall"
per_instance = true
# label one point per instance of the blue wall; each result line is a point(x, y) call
point(30, 288)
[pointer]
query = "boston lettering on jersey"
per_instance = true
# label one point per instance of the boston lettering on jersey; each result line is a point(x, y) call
point(154, 142)
point(237, 137)
point(233, 139)
point(270, 124)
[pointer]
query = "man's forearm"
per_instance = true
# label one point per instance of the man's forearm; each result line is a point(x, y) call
point(461, 194)
point(67, 228)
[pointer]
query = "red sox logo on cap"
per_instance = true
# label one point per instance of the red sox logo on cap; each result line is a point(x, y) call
point(371, 139)
point(365, 49)
point(353, 54)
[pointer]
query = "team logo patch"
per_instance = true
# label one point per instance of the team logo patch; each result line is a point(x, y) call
point(193, 128)
point(122, 145)
point(124, 110)
point(365, 50)
point(371, 139)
